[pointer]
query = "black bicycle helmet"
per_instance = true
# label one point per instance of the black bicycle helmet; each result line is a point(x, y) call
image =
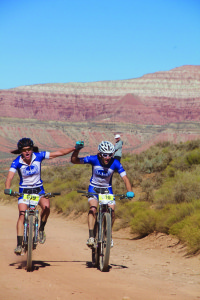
point(25, 142)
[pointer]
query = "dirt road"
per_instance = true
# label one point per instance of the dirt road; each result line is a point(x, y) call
point(153, 268)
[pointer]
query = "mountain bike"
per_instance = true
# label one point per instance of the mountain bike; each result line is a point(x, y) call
point(31, 220)
point(102, 228)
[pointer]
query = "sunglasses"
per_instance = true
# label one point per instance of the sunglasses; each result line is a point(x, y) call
point(106, 154)
point(28, 149)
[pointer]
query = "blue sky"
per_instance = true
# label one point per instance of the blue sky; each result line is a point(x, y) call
point(58, 41)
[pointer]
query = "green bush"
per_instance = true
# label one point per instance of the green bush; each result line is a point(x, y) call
point(184, 187)
point(188, 232)
point(171, 214)
point(193, 157)
point(143, 223)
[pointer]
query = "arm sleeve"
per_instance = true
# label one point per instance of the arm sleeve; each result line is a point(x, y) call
point(88, 159)
point(47, 154)
point(14, 165)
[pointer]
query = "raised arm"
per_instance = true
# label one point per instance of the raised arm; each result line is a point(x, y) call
point(61, 152)
point(74, 158)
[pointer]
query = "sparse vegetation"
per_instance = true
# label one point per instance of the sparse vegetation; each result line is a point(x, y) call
point(165, 179)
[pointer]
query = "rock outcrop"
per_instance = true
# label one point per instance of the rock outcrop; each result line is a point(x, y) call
point(143, 110)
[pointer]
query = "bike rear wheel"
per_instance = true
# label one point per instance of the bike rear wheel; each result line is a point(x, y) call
point(95, 249)
point(105, 242)
point(30, 244)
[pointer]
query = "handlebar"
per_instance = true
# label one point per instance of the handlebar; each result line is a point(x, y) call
point(87, 194)
point(17, 194)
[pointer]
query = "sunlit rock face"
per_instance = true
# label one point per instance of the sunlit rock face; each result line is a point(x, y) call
point(141, 109)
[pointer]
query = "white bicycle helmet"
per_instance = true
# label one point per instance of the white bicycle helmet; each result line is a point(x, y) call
point(106, 147)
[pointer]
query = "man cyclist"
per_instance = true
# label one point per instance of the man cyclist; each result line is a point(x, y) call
point(103, 168)
point(28, 165)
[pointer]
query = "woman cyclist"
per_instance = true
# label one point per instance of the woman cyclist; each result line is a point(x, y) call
point(28, 165)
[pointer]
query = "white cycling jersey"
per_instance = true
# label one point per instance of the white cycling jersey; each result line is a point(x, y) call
point(30, 175)
point(102, 175)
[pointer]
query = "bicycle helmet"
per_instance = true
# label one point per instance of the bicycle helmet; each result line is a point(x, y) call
point(106, 147)
point(24, 142)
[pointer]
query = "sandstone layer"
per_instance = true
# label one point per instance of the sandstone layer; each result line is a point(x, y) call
point(156, 107)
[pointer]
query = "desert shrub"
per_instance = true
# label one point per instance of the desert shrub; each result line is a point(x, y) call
point(180, 163)
point(81, 205)
point(154, 159)
point(188, 232)
point(191, 145)
point(66, 202)
point(170, 171)
point(171, 214)
point(144, 222)
point(184, 187)
point(164, 144)
point(123, 212)
point(193, 157)
point(147, 189)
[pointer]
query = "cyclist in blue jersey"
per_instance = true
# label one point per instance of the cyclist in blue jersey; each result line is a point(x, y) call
point(28, 166)
point(103, 167)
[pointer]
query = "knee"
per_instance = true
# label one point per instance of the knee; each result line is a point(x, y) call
point(21, 216)
point(92, 210)
point(47, 209)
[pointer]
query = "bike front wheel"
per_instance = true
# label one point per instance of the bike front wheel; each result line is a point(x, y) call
point(105, 242)
point(30, 244)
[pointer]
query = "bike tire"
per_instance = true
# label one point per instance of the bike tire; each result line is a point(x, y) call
point(104, 255)
point(95, 249)
point(30, 244)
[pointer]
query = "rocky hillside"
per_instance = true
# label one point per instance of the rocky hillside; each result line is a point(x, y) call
point(156, 107)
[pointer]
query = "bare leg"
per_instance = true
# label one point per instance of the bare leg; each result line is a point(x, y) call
point(20, 222)
point(20, 228)
point(45, 205)
point(92, 213)
point(113, 213)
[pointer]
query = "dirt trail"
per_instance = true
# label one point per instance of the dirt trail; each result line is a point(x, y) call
point(153, 268)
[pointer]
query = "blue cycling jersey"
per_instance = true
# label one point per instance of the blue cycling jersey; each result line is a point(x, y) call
point(102, 175)
point(30, 175)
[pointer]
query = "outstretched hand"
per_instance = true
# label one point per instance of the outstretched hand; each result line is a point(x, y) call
point(79, 145)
